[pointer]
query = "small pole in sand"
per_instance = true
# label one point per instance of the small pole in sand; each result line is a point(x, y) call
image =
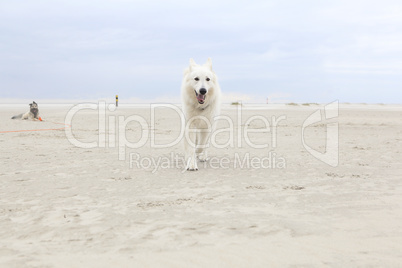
point(117, 100)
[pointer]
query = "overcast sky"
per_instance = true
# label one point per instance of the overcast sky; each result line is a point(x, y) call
point(299, 51)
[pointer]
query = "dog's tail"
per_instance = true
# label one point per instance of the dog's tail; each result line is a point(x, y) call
point(17, 116)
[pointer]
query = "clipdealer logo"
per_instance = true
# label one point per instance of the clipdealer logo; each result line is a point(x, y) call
point(176, 161)
point(112, 130)
point(331, 154)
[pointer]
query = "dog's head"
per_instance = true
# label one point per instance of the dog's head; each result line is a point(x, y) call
point(34, 108)
point(201, 79)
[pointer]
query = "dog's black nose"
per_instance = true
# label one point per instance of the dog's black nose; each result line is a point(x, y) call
point(203, 91)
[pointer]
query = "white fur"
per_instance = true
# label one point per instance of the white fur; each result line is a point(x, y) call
point(193, 109)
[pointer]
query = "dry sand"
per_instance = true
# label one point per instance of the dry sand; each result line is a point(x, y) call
point(65, 206)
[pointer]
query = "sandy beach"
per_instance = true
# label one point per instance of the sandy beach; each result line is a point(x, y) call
point(63, 205)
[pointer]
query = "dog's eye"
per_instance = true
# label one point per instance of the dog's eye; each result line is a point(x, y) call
point(207, 79)
point(196, 79)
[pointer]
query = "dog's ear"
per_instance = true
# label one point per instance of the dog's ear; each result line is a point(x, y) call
point(34, 102)
point(209, 63)
point(30, 105)
point(192, 63)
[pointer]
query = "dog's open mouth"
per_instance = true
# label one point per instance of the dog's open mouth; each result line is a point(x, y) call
point(200, 98)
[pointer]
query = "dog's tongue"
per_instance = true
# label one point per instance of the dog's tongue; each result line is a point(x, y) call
point(201, 98)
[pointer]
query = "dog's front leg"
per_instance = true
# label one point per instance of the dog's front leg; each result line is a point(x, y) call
point(189, 147)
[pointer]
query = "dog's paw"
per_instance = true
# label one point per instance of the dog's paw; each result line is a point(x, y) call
point(202, 158)
point(192, 169)
point(191, 164)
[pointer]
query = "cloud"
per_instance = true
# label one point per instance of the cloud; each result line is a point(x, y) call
point(69, 49)
point(365, 67)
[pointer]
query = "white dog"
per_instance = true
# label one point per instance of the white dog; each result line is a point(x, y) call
point(201, 103)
